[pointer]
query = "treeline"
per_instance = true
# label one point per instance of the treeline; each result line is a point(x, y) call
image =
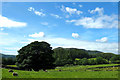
point(74, 56)
point(8, 61)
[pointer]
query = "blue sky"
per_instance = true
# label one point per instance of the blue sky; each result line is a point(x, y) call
point(86, 25)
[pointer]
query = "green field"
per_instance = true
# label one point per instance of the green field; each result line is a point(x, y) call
point(67, 72)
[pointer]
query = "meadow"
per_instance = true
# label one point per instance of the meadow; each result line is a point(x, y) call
point(68, 72)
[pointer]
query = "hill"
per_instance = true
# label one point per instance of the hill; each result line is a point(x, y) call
point(93, 52)
point(7, 56)
point(65, 56)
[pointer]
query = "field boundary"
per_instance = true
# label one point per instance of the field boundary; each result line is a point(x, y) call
point(60, 79)
point(105, 67)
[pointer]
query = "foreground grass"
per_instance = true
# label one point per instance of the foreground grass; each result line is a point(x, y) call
point(62, 74)
point(67, 72)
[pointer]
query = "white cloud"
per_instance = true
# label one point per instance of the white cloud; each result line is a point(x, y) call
point(104, 39)
point(97, 21)
point(7, 40)
point(44, 23)
point(62, 8)
point(67, 16)
point(70, 21)
point(3, 33)
point(39, 13)
point(31, 9)
point(1, 29)
point(71, 43)
point(5, 22)
point(97, 9)
point(11, 48)
point(80, 5)
point(37, 35)
point(103, 21)
point(71, 10)
point(9, 52)
point(74, 3)
point(56, 16)
point(75, 35)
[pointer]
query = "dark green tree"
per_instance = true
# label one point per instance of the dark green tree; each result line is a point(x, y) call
point(65, 56)
point(92, 61)
point(100, 60)
point(115, 59)
point(8, 61)
point(84, 61)
point(36, 56)
point(107, 56)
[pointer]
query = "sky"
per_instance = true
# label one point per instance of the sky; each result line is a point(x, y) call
point(83, 25)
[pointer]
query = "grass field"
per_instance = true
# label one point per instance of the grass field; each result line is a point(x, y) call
point(67, 72)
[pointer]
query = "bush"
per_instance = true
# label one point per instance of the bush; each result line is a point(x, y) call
point(90, 61)
point(115, 59)
point(100, 60)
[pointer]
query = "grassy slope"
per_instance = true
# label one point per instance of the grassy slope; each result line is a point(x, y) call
point(67, 72)
point(84, 67)
point(63, 74)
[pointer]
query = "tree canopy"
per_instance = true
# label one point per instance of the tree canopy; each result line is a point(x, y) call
point(39, 55)
point(36, 56)
point(65, 56)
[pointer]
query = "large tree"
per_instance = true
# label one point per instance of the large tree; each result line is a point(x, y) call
point(36, 56)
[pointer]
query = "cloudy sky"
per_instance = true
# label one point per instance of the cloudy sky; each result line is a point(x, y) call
point(91, 26)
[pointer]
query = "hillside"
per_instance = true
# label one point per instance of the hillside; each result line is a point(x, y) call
point(90, 52)
point(7, 56)
point(93, 52)
point(69, 55)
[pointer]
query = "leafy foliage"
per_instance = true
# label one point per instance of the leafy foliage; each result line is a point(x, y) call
point(39, 55)
point(65, 56)
point(91, 61)
point(100, 60)
point(115, 59)
point(68, 55)
point(36, 56)
point(8, 61)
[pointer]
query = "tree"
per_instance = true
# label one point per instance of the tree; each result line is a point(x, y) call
point(77, 62)
point(107, 56)
point(8, 61)
point(100, 60)
point(65, 56)
point(84, 61)
point(115, 59)
point(91, 61)
point(36, 56)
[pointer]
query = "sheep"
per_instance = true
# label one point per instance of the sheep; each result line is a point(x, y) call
point(60, 70)
point(10, 70)
point(15, 74)
point(45, 70)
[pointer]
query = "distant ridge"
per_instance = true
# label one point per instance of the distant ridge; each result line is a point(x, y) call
point(88, 51)
point(7, 56)
point(91, 52)
point(94, 52)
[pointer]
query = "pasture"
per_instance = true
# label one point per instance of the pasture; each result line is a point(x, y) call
point(68, 72)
